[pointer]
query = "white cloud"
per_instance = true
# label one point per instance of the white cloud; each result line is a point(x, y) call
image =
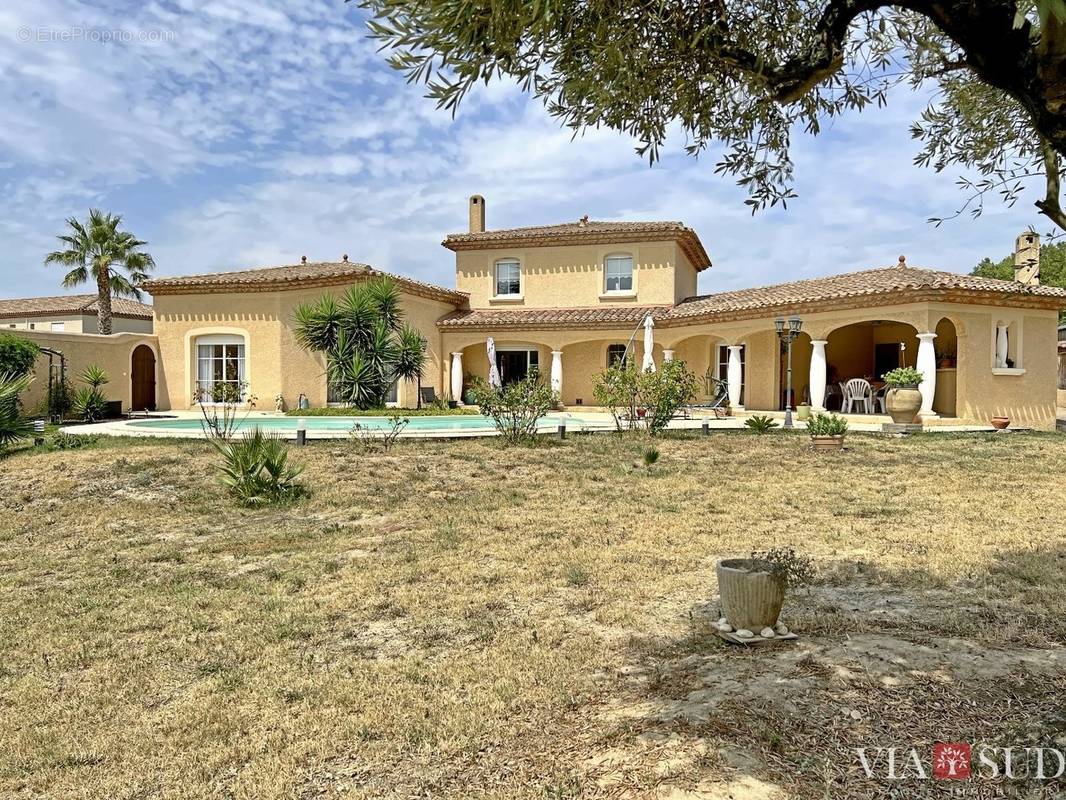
point(262, 130)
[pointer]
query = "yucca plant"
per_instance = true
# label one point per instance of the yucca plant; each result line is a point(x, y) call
point(89, 402)
point(13, 426)
point(257, 472)
point(760, 424)
point(367, 345)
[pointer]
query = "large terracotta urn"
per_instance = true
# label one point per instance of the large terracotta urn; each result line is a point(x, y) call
point(752, 593)
point(903, 403)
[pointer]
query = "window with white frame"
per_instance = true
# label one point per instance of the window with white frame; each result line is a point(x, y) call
point(721, 371)
point(616, 353)
point(57, 327)
point(508, 278)
point(619, 273)
point(220, 368)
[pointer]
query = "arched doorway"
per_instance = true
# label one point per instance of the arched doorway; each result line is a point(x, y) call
point(867, 350)
point(142, 378)
point(947, 359)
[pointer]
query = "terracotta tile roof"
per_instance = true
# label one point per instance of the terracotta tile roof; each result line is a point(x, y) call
point(605, 317)
point(591, 232)
point(854, 285)
point(72, 304)
point(312, 273)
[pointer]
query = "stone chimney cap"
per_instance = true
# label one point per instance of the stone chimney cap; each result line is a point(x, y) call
point(902, 262)
point(303, 259)
point(344, 258)
point(583, 221)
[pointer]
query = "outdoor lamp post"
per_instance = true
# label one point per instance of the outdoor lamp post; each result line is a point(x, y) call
point(787, 332)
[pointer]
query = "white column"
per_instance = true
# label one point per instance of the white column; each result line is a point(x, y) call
point(457, 376)
point(1001, 346)
point(733, 375)
point(817, 376)
point(557, 371)
point(926, 365)
point(668, 355)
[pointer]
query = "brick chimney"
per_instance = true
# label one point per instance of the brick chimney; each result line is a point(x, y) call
point(477, 214)
point(1027, 258)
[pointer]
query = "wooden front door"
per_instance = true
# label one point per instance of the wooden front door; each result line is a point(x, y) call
point(143, 378)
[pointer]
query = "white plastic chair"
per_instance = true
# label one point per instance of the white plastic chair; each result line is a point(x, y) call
point(858, 390)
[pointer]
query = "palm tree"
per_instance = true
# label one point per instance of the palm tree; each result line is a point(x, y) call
point(97, 249)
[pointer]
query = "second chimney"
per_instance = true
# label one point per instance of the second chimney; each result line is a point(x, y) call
point(477, 214)
point(1027, 259)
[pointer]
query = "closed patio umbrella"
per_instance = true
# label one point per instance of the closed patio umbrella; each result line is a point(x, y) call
point(494, 372)
point(649, 345)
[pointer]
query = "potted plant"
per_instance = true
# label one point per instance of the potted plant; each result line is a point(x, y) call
point(469, 383)
point(803, 411)
point(752, 592)
point(902, 399)
point(827, 431)
point(945, 360)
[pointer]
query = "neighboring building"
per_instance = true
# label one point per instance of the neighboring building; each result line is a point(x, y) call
point(73, 313)
point(569, 299)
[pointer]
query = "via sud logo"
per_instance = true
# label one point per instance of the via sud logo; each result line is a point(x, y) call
point(959, 761)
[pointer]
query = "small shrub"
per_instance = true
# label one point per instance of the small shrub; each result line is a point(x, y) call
point(651, 456)
point(66, 441)
point(827, 425)
point(374, 439)
point(517, 407)
point(664, 392)
point(616, 390)
point(257, 472)
point(220, 408)
point(760, 424)
point(17, 355)
point(797, 569)
point(632, 395)
point(903, 376)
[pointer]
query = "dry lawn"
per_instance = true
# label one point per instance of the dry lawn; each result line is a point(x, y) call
point(462, 620)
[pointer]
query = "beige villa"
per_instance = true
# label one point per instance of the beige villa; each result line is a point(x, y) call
point(568, 299)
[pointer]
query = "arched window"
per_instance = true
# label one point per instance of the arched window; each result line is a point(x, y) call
point(508, 278)
point(618, 271)
point(220, 368)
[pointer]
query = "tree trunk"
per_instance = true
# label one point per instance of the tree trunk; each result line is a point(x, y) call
point(103, 290)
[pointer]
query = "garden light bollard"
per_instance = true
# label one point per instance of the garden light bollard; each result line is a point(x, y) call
point(562, 430)
point(38, 432)
point(787, 333)
point(706, 426)
point(301, 432)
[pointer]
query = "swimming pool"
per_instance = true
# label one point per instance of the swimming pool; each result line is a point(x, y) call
point(327, 427)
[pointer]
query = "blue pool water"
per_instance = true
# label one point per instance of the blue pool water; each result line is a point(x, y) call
point(287, 425)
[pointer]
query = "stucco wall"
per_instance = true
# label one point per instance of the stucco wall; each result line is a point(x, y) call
point(111, 353)
point(275, 363)
point(554, 277)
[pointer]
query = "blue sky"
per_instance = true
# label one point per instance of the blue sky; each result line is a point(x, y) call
point(241, 133)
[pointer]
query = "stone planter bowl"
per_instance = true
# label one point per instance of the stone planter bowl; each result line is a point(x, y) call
point(903, 403)
point(752, 595)
point(1000, 423)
